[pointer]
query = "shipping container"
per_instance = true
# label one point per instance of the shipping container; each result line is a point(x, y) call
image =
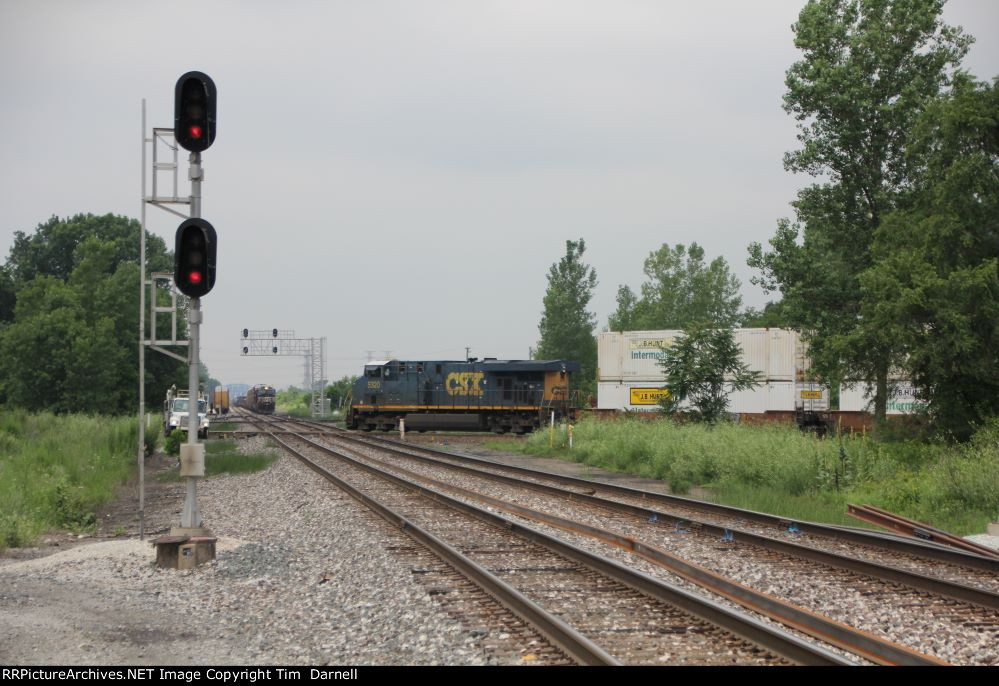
point(635, 355)
point(642, 396)
point(220, 400)
point(630, 376)
point(904, 398)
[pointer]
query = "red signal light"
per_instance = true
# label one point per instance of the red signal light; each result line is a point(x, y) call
point(195, 131)
point(194, 277)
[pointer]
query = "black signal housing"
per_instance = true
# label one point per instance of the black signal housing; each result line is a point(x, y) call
point(195, 249)
point(194, 111)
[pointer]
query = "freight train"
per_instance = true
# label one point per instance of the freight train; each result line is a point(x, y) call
point(488, 395)
point(260, 399)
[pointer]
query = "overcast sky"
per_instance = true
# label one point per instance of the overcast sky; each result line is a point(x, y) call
point(399, 176)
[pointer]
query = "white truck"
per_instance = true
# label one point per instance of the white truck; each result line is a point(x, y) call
point(175, 410)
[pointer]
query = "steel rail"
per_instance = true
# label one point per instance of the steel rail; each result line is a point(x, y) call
point(914, 529)
point(862, 643)
point(917, 548)
point(922, 582)
point(574, 644)
point(749, 628)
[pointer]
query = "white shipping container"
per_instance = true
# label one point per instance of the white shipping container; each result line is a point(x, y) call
point(641, 396)
point(903, 400)
point(629, 373)
point(635, 355)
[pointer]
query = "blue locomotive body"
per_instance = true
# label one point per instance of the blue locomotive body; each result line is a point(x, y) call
point(487, 395)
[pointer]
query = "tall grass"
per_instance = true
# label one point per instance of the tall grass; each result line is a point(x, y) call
point(779, 469)
point(56, 471)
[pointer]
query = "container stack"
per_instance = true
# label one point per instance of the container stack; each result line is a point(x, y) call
point(629, 376)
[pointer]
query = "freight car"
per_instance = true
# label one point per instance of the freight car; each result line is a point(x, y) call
point(487, 395)
point(260, 399)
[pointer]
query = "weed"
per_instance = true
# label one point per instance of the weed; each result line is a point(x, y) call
point(778, 469)
point(173, 442)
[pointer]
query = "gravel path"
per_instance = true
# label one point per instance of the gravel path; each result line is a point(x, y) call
point(303, 576)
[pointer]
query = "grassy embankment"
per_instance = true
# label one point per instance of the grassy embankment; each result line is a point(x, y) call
point(780, 470)
point(56, 471)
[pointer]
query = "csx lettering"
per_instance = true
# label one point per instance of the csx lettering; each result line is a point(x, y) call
point(464, 383)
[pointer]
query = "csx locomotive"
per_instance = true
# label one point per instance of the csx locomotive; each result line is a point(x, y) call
point(487, 395)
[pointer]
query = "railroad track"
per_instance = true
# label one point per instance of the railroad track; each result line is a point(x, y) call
point(914, 555)
point(966, 614)
point(591, 608)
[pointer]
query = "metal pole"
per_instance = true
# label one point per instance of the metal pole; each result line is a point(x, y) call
point(191, 517)
point(142, 346)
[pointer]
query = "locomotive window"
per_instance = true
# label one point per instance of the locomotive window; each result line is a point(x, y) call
point(419, 368)
point(438, 369)
point(374, 372)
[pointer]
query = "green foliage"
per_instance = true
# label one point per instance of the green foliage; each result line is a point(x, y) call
point(777, 468)
point(69, 342)
point(702, 366)
point(222, 457)
point(935, 283)
point(566, 326)
point(294, 401)
point(339, 392)
point(870, 68)
point(59, 246)
point(680, 290)
point(56, 471)
point(173, 441)
point(151, 435)
point(771, 317)
point(625, 317)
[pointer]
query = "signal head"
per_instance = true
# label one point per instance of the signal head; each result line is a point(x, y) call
point(195, 248)
point(194, 111)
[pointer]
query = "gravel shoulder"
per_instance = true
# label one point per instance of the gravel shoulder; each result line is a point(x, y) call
point(303, 575)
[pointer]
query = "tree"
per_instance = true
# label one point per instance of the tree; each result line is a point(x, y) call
point(338, 391)
point(772, 316)
point(8, 297)
point(702, 366)
point(69, 344)
point(870, 68)
point(566, 326)
point(934, 282)
point(52, 248)
point(680, 290)
point(624, 317)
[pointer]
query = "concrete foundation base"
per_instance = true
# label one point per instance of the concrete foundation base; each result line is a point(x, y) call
point(993, 529)
point(185, 548)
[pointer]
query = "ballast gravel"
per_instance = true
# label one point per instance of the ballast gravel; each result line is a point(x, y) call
point(302, 576)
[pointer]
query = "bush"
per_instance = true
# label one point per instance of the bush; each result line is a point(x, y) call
point(173, 442)
point(152, 435)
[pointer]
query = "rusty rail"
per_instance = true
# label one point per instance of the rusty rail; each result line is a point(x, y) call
point(913, 529)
